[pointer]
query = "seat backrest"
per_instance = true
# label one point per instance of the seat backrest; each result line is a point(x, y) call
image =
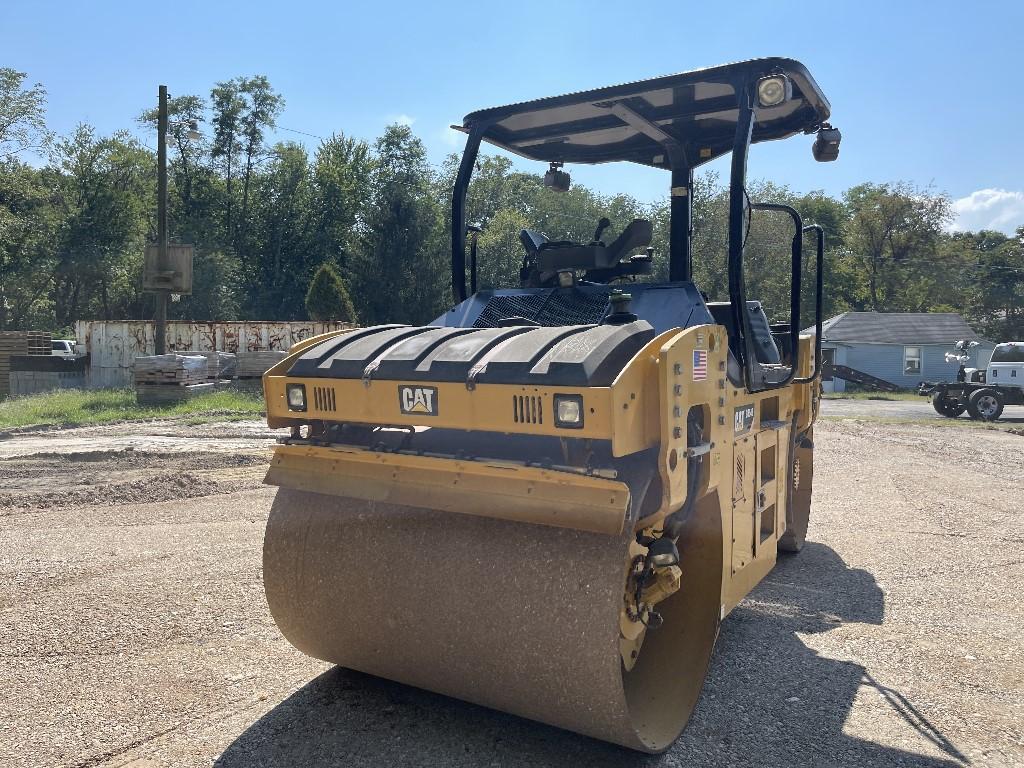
point(532, 240)
point(764, 345)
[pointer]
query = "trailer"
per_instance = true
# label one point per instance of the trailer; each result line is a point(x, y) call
point(982, 393)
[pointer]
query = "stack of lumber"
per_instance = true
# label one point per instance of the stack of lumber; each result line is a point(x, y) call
point(20, 343)
point(170, 370)
point(219, 365)
point(252, 365)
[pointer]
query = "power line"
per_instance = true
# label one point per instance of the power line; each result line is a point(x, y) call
point(302, 133)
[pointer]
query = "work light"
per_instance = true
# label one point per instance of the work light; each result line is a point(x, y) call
point(772, 91)
point(296, 397)
point(569, 411)
point(662, 553)
point(826, 144)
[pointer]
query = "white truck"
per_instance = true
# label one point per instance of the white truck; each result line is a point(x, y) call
point(982, 392)
point(63, 348)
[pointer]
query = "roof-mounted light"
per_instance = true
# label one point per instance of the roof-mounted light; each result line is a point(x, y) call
point(826, 144)
point(556, 178)
point(774, 90)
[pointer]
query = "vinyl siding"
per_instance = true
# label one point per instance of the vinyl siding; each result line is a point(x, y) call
point(886, 362)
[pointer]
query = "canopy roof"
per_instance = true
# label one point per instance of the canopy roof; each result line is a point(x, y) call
point(697, 110)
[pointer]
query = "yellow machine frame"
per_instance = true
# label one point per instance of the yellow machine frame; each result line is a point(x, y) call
point(748, 444)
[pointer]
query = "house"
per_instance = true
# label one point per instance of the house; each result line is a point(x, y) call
point(904, 348)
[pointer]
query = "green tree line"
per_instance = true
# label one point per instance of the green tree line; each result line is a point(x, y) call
point(360, 230)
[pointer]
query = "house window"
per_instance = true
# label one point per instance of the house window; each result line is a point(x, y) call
point(911, 361)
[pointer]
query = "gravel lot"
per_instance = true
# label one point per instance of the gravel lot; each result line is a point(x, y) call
point(135, 631)
point(909, 410)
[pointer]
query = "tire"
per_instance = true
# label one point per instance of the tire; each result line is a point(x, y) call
point(798, 506)
point(985, 404)
point(946, 406)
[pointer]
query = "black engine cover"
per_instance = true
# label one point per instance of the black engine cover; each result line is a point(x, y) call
point(570, 356)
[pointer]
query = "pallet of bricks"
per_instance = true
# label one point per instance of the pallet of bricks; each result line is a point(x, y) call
point(252, 365)
point(220, 366)
point(20, 343)
point(170, 378)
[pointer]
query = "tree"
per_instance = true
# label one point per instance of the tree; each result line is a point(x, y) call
point(279, 260)
point(262, 106)
point(227, 105)
point(400, 269)
point(103, 189)
point(327, 298)
point(995, 287)
point(889, 227)
point(342, 169)
point(22, 110)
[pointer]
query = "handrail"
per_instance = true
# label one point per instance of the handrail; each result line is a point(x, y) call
point(796, 273)
point(819, 293)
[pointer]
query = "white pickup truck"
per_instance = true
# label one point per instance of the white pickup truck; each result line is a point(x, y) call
point(63, 348)
point(1006, 368)
point(984, 392)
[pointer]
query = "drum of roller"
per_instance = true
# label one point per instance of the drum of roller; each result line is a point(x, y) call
point(521, 618)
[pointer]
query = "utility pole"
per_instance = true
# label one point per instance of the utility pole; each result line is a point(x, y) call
point(160, 322)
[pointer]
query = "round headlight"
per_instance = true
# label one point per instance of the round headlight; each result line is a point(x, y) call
point(772, 91)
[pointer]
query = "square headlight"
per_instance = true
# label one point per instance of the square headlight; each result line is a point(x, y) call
point(569, 411)
point(296, 397)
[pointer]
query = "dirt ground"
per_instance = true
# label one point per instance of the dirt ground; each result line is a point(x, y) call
point(134, 630)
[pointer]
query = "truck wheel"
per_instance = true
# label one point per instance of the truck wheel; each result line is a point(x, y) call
point(946, 406)
point(985, 405)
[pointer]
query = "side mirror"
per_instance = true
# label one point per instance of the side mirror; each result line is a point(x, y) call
point(557, 179)
point(826, 144)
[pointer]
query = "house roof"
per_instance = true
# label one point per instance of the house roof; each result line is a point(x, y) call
point(897, 328)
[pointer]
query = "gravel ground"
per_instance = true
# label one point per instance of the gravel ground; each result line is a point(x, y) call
point(909, 410)
point(135, 632)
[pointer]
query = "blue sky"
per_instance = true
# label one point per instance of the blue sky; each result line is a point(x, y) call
point(927, 92)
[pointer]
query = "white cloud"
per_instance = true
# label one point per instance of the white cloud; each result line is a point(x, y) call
point(451, 138)
point(997, 209)
point(401, 119)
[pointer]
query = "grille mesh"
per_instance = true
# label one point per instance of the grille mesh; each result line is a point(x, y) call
point(527, 409)
point(323, 399)
point(546, 309)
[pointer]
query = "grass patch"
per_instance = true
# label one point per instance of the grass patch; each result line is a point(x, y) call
point(65, 407)
point(913, 396)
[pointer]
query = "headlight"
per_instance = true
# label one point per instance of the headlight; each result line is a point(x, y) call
point(772, 91)
point(569, 411)
point(296, 397)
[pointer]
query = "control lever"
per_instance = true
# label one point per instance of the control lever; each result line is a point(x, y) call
point(602, 225)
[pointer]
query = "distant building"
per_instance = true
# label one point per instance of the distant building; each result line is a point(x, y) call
point(901, 347)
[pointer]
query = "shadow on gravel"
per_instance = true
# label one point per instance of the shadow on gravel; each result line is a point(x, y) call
point(769, 700)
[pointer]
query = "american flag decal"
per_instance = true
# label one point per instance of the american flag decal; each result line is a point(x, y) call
point(700, 365)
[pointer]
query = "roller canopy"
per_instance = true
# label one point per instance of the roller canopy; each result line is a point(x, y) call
point(696, 110)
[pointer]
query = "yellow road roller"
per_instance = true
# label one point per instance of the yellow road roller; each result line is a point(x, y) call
point(547, 500)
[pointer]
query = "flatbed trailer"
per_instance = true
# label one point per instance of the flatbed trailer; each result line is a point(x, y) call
point(981, 400)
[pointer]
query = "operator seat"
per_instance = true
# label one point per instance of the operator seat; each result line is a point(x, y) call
point(552, 256)
point(765, 350)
